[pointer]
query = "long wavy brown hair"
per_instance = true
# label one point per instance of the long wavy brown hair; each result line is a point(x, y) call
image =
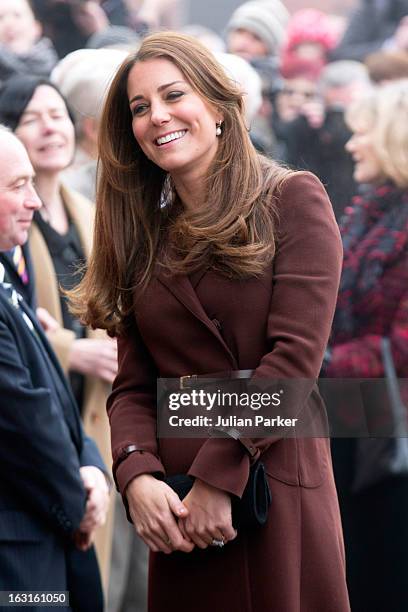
point(139, 222)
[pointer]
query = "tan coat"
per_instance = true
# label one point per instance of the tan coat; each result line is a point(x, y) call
point(95, 420)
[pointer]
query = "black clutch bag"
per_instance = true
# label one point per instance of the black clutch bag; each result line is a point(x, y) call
point(248, 512)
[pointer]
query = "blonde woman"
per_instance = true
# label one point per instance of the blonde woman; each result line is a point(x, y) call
point(373, 304)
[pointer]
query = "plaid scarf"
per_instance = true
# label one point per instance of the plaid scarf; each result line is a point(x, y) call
point(375, 236)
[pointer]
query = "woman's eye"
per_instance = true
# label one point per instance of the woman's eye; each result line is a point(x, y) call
point(28, 121)
point(139, 109)
point(173, 95)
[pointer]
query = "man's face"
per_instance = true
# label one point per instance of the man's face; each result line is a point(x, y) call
point(18, 198)
point(247, 44)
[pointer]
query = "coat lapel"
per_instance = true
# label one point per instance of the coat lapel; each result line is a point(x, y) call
point(81, 211)
point(48, 363)
point(182, 289)
point(61, 387)
point(45, 279)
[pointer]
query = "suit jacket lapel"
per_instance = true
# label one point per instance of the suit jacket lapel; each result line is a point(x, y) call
point(181, 287)
point(61, 386)
point(30, 270)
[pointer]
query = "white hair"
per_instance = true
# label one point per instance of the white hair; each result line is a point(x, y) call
point(342, 73)
point(84, 77)
point(246, 78)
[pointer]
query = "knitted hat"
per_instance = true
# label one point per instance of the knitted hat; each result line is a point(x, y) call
point(311, 26)
point(265, 18)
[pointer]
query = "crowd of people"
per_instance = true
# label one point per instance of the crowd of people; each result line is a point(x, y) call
point(176, 201)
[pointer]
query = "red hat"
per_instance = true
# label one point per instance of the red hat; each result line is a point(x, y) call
point(311, 26)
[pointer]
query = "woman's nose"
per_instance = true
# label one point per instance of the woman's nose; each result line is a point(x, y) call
point(160, 114)
point(47, 123)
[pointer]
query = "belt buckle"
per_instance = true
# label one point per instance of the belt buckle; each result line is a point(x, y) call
point(184, 380)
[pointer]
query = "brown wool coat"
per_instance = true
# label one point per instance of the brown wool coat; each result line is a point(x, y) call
point(95, 421)
point(279, 326)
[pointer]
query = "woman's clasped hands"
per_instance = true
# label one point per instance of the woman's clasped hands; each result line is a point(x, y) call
point(167, 524)
point(209, 517)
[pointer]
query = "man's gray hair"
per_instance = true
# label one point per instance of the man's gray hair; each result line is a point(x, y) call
point(342, 73)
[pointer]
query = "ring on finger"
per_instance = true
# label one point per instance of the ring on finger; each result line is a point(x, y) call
point(219, 543)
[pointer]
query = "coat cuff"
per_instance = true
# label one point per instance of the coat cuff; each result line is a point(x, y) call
point(222, 463)
point(139, 462)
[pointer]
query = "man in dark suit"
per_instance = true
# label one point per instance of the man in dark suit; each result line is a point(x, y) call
point(53, 489)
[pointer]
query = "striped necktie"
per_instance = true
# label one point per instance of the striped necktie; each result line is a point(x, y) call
point(20, 264)
point(15, 298)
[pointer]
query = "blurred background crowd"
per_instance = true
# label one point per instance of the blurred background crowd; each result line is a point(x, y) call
point(304, 67)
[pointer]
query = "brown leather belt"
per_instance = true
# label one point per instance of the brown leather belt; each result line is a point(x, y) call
point(191, 380)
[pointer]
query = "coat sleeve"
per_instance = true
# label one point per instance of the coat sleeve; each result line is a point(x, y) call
point(37, 456)
point(362, 35)
point(132, 411)
point(306, 277)
point(90, 455)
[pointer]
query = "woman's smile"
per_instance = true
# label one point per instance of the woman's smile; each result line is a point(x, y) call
point(170, 137)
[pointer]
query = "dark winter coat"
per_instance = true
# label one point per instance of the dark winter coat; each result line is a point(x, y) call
point(369, 27)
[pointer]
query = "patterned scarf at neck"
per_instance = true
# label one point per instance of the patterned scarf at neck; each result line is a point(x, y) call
point(375, 235)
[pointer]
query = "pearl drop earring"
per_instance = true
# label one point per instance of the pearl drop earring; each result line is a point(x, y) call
point(218, 130)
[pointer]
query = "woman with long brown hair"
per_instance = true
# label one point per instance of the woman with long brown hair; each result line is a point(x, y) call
point(211, 258)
